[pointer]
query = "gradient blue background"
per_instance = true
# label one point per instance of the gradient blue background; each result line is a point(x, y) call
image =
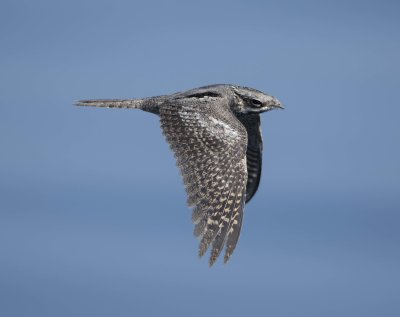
point(93, 220)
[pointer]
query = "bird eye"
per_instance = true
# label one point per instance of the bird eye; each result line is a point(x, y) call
point(256, 102)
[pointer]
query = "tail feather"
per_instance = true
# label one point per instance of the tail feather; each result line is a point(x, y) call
point(112, 103)
point(146, 104)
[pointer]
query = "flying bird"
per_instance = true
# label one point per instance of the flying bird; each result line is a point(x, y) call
point(215, 134)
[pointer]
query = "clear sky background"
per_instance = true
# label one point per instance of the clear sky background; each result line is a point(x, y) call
point(93, 220)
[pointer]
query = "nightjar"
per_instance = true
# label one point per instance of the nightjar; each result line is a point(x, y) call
point(215, 134)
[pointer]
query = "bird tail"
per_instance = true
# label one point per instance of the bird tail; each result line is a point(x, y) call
point(145, 104)
point(112, 103)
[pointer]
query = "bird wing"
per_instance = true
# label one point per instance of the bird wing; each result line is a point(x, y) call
point(210, 147)
point(252, 124)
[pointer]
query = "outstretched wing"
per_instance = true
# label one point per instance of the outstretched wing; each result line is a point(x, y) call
point(252, 124)
point(210, 147)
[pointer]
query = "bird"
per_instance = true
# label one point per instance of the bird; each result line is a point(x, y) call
point(215, 134)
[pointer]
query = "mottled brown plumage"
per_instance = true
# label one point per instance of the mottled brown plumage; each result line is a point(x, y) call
point(215, 134)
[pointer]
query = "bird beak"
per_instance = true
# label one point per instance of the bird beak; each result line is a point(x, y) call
point(273, 103)
point(278, 104)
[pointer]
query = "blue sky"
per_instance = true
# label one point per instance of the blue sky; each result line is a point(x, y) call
point(92, 208)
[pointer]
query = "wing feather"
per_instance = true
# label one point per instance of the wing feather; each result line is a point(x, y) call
point(252, 123)
point(210, 145)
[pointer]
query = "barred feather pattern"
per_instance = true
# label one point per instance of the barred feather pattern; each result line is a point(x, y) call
point(210, 144)
point(252, 123)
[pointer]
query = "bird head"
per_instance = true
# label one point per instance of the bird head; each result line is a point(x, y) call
point(250, 100)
